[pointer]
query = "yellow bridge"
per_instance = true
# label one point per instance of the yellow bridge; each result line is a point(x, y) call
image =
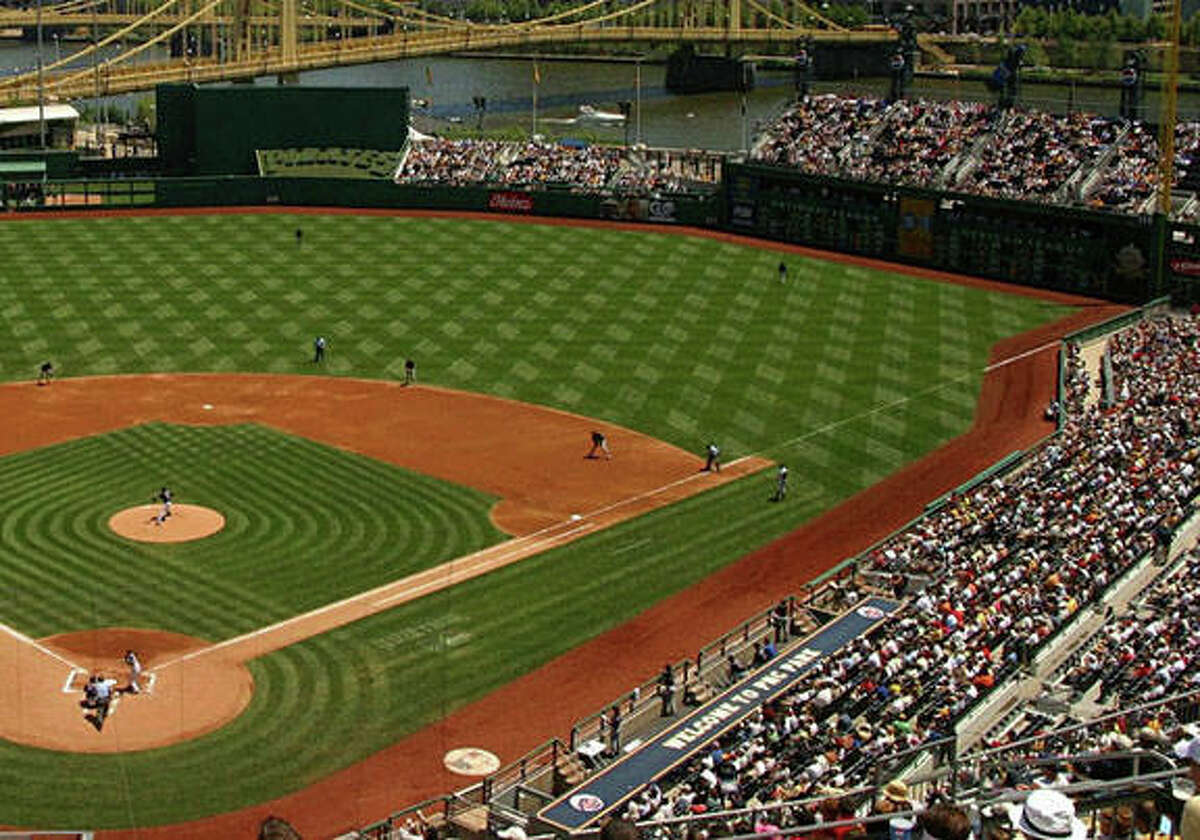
point(246, 38)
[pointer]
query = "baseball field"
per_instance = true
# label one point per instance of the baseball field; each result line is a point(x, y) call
point(183, 345)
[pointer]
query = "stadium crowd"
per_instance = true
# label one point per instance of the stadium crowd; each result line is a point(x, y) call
point(537, 165)
point(991, 577)
point(972, 147)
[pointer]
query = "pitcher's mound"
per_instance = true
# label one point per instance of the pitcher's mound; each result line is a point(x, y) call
point(186, 522)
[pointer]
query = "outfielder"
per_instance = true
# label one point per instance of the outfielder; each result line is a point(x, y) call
point(164, 496)
point(780, 484)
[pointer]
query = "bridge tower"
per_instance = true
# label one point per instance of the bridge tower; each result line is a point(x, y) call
point(241, 30)
point(287, 31)
point(735, 16)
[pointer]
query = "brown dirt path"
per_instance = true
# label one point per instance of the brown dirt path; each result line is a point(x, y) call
point(544, 703)
point(531, 457)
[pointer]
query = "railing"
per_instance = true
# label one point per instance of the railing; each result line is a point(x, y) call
point(1118, 322)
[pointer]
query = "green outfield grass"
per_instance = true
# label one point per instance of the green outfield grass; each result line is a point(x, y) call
point(306, 525)
point(845, 373)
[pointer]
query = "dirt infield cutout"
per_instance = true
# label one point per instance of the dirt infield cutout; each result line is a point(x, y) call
point(186, 522)
point(549, 496)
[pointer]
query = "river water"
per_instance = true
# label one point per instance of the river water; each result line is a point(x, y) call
point(713, 121)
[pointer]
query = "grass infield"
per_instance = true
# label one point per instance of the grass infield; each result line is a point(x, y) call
point(845, 373)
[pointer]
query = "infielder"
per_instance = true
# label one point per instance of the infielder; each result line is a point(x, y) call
point(135, 672)
point(45, 373)
point(164, 496)
point(714, 458)
point(318, 349)
point(599, 444)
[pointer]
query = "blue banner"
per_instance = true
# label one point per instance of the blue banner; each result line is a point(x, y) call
point(609, 788)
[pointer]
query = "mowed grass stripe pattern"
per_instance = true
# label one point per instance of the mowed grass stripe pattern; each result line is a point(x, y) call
point(844, 373)
point(683, 338)
point(305, 525)
point(339, 697)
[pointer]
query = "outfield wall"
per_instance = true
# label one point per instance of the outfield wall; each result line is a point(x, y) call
point(702, 211)
point(1050, 247)
point(1093, 253)
point(207, 130)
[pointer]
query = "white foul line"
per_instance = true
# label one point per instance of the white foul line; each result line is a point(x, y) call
point(454, 567)
point(896, 403)
point(1019, 356)
point(21, 637)
point(539, 538)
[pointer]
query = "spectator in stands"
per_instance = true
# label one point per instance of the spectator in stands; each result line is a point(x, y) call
point(1190, 823)
point(619, 828)
point(944, 821)
point(894, 798)
point(1048, 815)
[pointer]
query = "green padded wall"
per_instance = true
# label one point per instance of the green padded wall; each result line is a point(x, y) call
point(228, 123)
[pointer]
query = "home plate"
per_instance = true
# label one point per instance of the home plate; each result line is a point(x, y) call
point(471, 761)
point(207, 406)
point(575, 517)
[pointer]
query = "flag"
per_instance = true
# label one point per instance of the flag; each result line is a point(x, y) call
point(537, 74)
point(428, 75)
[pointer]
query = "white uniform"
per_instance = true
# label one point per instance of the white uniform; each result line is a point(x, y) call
point(714, 458)
point(781, 483)
point(135, 671)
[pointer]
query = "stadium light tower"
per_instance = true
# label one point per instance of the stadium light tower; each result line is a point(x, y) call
point(41, 79)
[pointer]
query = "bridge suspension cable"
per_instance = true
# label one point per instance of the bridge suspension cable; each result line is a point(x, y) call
point(18, 80)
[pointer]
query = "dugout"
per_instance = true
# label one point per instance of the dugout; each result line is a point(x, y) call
point(217, 130)
point(22, 183)
point(21, 128)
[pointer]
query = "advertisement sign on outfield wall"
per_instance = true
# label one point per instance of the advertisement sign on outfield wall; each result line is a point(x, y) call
point(511, 202)
point(660, 210)
point(1190, 268)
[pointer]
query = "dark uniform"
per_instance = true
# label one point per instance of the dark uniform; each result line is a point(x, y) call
point(599, 444)
point(714, 458)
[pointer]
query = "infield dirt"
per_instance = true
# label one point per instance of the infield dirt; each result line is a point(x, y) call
point(545, 703)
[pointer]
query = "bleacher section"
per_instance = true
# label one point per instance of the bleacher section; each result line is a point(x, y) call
point(577, 167)
point(988, 666)
point(1024, 154)
point(327, 163)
